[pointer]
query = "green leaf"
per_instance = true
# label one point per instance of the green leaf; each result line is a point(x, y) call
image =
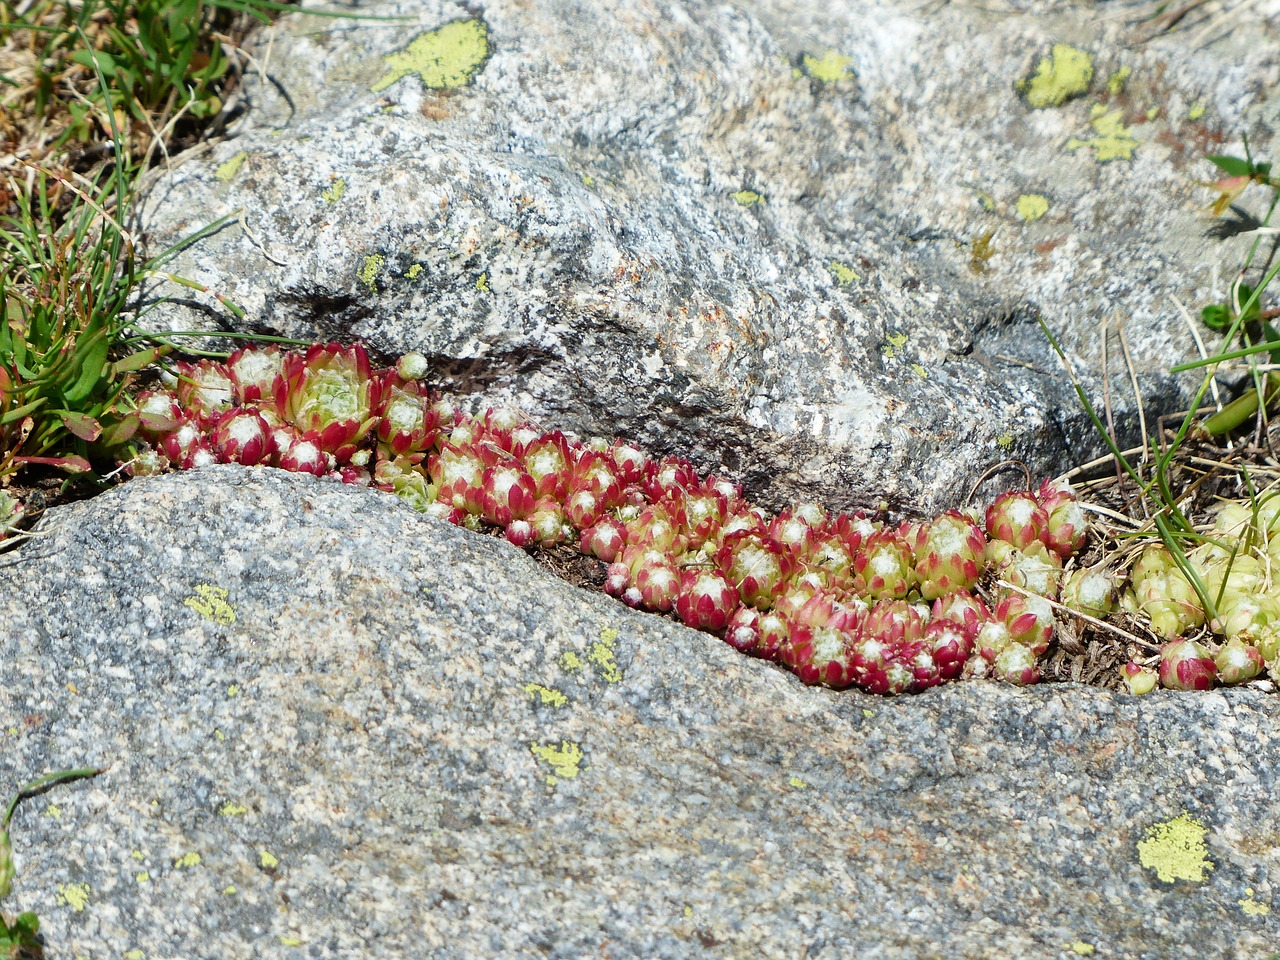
point(119, 432)
point(1216, 316)
point(1232, 166)
point(105, 61)
point(80, 425)
point(136, 361)
point(93, 361)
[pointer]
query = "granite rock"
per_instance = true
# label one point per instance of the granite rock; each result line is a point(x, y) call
point(337, 728)
point(805, 244)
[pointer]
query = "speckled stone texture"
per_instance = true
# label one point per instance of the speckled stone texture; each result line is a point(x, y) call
point(748, 233)
point(339, 729)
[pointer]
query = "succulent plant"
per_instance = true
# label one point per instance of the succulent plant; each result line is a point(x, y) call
point(950, 554)
point(330, 394)
point(1017, 518)
point(1186, 665)
point(706, 600)
point(840, 599)
point(1139, 679)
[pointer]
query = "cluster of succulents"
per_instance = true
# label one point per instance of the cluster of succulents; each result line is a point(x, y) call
point(839, 599)
point(1233, 566)
point(843, 600)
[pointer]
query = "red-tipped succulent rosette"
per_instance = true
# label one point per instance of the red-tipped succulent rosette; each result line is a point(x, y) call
point(885, 566)
point(951, 646)
point(1029, 621)
point(1067, 523)
point(1016, 517)
point(1186, 665)
point(963, 608)
point(204, 389)
point(656, 580)
point(159, 412)
point(458, 475)
point(253, 371)
point(550, 525)
point(507, 494)
point(409, 420)
point(547, 459)
point(706, 600)
point(298, 454)
point(699, 511)
point(604, 540)
point(756, 564)
point(331, 395)
point(668, 477)
point(949, 553)
point(243, 436)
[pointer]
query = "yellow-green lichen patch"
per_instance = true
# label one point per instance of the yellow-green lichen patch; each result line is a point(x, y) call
point(920, 371)
point(211, 603)
point(233, 809)
point(564, 759)
point(289, 941)
point(845, 275)
point(588, 180)
point(570, 662)
point(134, 954)
point(1032, 206)
point(227, 171)
point(74, 895)
point(143, 877)
point(1113, 140)
point(1252, 907)
point(1082, 949)
point(268, 861)
point(482, 283)
point(444, 58)
point(892, 344)
point(748, 198)
point(547, 696)
point(414, 272)
point(603, 655)
point(53, 811)
point(191, 859)
point(138, 855)
point(1196, 111)
point(1176, 850)
point(229, 890)
point(795, 783)
point(1004, 441)
point(1065, 73)
point(1115, 82)
point(831, 67)
point(335, 191)
point(369, 270)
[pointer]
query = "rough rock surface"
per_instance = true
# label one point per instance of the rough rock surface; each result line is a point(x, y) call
point(804, 243)
point(337, 728)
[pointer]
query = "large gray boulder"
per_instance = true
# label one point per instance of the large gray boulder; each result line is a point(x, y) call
point(804, 243)
point(336, 728)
